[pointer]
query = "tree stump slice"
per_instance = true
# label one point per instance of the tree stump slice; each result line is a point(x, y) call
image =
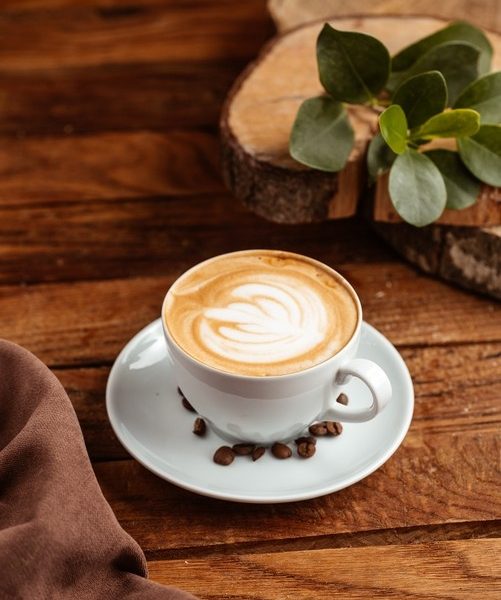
point(467, 256)
point(255, 126)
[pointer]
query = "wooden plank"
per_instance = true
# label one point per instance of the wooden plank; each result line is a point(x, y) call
point(88, 322)
point(467, 530)
point(89, 35)
point(107, 166)
point(114, 97)
point(86, 389)
point(115, 6)
point(431, 480)
point(456, 569)
point(457, 389)
point(90, 240)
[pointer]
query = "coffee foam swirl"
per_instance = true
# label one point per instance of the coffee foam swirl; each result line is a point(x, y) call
point(274, 321)
point(260, 313)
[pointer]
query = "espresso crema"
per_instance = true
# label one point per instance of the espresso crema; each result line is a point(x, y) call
point(260, 313)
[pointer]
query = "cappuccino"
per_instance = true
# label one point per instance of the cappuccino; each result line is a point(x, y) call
point(260, 313)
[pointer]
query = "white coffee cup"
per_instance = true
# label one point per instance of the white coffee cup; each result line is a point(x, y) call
point(280, 407)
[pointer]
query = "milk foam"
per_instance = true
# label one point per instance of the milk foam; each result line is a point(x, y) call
point(260, 313)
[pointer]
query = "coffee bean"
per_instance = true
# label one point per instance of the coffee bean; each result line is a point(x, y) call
point(318, 429)
point(333, 428)
point(280, 450)
point(306, 449)
point(243, 449)
point(342, 399)
point(187, 405)
point(257, 453)
point(199, 427)
point(309, 439)
point(224, 456)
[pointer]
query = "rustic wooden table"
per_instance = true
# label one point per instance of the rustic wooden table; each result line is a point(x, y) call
point(110, 188)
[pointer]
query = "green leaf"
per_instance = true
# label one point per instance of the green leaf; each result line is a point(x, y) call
point(455, 32)
point(417, 189)
point(483, 95)
point(422, 96)
point(380, 157)
point(457, 61)
point(321, 136)
point(353, 67)
point(460, 122)
point(462, 188)
point(481, 153)
point(393, 126)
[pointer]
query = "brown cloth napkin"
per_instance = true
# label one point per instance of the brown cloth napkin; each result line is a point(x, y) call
point(58, 536)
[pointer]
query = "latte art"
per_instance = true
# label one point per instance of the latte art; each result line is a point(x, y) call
point(260, 313)
point(271, 322)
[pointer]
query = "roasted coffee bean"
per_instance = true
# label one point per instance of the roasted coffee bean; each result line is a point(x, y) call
point(318, 429)
point(224, 456)
point(280, 450)
point(257, 453)
point(333, 428)
point(306, 449)
point(187, 405)
point(342, 399)
point(309, 439)
point(199, 427)
point(243, 449)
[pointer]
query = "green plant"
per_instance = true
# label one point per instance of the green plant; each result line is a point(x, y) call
point(439, 87)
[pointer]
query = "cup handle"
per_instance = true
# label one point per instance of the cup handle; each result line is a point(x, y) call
point(374, 378)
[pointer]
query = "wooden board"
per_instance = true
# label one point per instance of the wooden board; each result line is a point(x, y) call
point(441, 477)
point(146, 236)
point(445, 570)
point(408, 308)
point(115, 66)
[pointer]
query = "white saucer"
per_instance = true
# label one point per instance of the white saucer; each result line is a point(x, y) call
point(146, 414)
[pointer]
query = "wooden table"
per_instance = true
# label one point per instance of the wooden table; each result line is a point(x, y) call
point(110, 188)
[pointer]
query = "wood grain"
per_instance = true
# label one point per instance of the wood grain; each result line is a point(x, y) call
point(446, 570)
point(154, 236)
point(63, 327)
point(108, 166)
point(170, 33)
point(114, 97)
point(457, 389)
point(432, 479)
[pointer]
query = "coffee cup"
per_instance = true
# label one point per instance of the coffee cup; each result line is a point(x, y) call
point(263, 342)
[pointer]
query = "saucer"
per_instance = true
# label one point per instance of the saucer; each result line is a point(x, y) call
point(146, 413)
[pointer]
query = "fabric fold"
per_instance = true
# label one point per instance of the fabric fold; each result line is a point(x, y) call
point(59, 537)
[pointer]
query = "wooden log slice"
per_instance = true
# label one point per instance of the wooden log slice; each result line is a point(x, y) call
point(255, 129)
point(467, 256)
